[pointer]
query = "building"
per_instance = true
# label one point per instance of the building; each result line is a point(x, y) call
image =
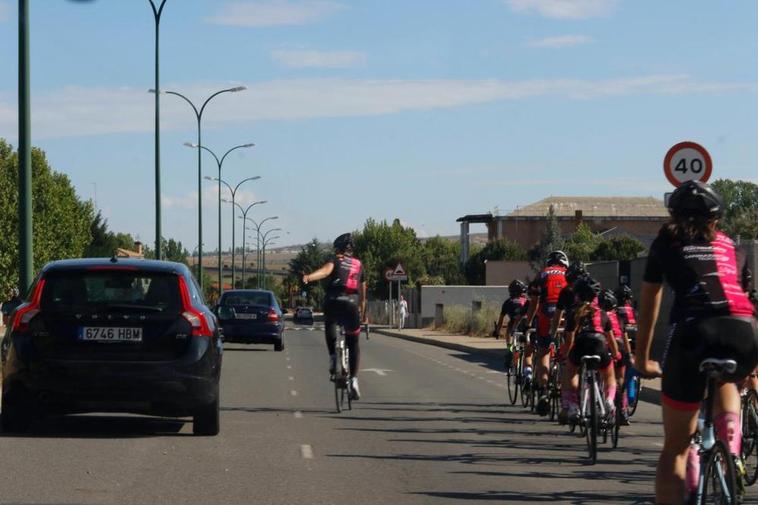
point(638, 217)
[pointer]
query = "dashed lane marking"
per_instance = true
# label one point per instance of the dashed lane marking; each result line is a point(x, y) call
point(293, 393)
point(291, 378)
point(289, 367)
point(298, 414)
point(306, 451)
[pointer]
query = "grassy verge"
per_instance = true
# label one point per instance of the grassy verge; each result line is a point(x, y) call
point(461, 319)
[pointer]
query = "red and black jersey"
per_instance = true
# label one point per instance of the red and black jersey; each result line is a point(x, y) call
point(704, 275)
point(551, 281)
point(515, 307)
point(627, 315)
point(346, 277)
point(618, 332)
point(596, 322)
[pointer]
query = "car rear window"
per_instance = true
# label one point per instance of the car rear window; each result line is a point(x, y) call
point(122, 289)
point(236, 299)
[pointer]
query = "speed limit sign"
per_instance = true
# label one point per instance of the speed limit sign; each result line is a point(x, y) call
point(687, 161)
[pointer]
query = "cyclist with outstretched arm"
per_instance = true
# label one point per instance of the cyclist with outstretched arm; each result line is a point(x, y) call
point(711, 318)
point(514, 309)
point(345, 302)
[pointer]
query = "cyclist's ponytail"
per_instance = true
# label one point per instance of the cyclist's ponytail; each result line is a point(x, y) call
point(584, 310)
point(691, 228)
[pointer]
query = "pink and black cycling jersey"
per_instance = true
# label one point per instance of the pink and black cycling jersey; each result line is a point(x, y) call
point(618, 333)
point(515, 307)
point(346, 277)
point(597, 322)
point(705, 276)
point(627, 315)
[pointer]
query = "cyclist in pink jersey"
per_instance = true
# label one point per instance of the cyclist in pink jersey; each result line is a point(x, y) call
point(345, 302)
point(711, 318)
point(609, 304)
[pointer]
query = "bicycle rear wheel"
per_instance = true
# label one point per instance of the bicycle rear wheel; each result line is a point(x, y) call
point(513, 378)
point(720, 484)
point(526, 391)
point(750, 436)
point(617, 424)
point(592, 421)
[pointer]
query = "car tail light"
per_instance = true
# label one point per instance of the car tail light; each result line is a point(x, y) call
point(26, 312)
point(273, 316)
point(195, 317)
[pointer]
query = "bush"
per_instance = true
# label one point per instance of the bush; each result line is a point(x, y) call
point(461, 319)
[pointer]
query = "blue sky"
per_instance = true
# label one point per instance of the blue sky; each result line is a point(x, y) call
point(423, 111)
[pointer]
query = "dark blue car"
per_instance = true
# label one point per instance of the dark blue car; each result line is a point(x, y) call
point(251, 316)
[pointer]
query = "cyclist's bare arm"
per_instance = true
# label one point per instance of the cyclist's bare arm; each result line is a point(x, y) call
point(612, 344)
point(322, 273)
point(650, 305)
point(555, 322)
point(534, 302)
point(499, 326)
point(362, 301)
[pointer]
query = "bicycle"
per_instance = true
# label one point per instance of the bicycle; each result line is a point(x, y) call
point(749, 420)
point(515, 375)
point(594, 417)
point(554, 382)
point(717, 480)
point(342, 378)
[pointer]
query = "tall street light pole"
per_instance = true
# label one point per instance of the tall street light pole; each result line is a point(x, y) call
point(157, 11)
point(244, 235)
point(234, 215)
point(25, 237)
point(258, 245)
point(219, 163)
point(263, 253)
point(199, 117)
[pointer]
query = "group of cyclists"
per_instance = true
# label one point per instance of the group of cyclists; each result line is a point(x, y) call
point(567, 308)
point(713, 315)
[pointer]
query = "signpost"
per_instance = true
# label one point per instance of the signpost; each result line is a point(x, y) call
point(687, 161)
point(395, 274)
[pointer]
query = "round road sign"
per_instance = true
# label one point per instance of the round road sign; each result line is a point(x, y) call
point(687, 161)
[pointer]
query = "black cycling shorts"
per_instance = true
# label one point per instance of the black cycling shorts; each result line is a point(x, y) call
point(589, 344)
point(683, 385)
point(343, 310)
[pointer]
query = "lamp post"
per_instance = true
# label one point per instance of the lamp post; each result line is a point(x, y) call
point(157, 12)
point(219, 163)
point(270, 241)
point(263, 252)
point(244, 235)
point(258, 244)
point(234, 194)
point(199, 116)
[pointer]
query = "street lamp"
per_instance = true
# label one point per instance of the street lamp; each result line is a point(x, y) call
point(234, 193)
point(263, 252)
point(244, 235)
point(157, 11)
point(219, 163)
point(258, 244)
point(199, 116)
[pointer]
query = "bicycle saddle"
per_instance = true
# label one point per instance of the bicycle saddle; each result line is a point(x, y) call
point(718, 366)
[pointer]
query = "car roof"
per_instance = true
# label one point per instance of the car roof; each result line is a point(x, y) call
point(139, 264)
point(239, 291)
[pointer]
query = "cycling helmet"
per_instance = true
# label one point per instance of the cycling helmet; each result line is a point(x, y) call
point(695, 199)
point(557, 258)
point(607, 300)
point(623, 293)
point(586, 288)
point(343, 242)
point(574, 271)
point(516, 288)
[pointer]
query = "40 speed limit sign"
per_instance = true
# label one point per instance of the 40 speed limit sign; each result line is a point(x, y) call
point(687, 161)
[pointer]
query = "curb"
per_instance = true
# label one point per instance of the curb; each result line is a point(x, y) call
point(438, 343)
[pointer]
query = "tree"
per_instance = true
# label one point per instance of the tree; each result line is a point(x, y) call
point(621, 248)
point(741, 207)
point(311, 257)
point(104, 242)
point(62, 221)
point(551, 241)
point(497, 250)
point(441, 257)
point(173, 251)
point(582, 243)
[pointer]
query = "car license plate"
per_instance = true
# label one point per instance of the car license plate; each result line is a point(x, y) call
point(111, 334)
point(247, 316)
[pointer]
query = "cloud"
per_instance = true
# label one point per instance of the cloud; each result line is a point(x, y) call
point(317, 59)
point(79, 111)
point(275, 13)
point(560, 41)
point(564, 9)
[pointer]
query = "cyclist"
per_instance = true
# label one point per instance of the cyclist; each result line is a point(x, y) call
point(711, 317)
point(549, 283)
point(609, 303)
point(626, 313)
point(514, 308)
point(566, 302)
point(345, 302)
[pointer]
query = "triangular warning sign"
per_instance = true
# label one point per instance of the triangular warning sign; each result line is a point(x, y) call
point(399, 270)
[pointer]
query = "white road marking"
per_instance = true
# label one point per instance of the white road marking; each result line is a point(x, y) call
point(306, 451)
point(291, 378)
point(298, 414)
point(378, 371)
point(289, 367)
point(293, 393)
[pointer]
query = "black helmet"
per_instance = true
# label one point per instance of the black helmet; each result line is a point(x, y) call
point(574, 271)
point(623, 293)
point(343, 242)
point(695, 198)
point(557, 258)
point(607, 300)
point(586, 288)
point(516, 288)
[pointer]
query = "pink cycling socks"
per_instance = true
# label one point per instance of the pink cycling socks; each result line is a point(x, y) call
point(692, 473)
point(729, 431)
point(611, 394)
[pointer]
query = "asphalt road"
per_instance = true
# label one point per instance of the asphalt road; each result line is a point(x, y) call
point(432, 427)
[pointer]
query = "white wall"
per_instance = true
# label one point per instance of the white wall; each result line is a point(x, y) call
point(459, 295)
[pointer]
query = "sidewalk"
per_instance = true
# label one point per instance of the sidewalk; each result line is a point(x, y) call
point(463, 343)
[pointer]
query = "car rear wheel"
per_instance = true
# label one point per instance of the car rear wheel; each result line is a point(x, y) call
point(279, 346)
point(206, 421)
point(16, 412)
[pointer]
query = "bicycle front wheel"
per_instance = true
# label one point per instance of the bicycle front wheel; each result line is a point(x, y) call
point(592, 421)
point(720, 484)
point(750, 436)
point(512, 382)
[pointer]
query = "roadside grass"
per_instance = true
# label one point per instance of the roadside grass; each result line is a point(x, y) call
point(461, 319)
